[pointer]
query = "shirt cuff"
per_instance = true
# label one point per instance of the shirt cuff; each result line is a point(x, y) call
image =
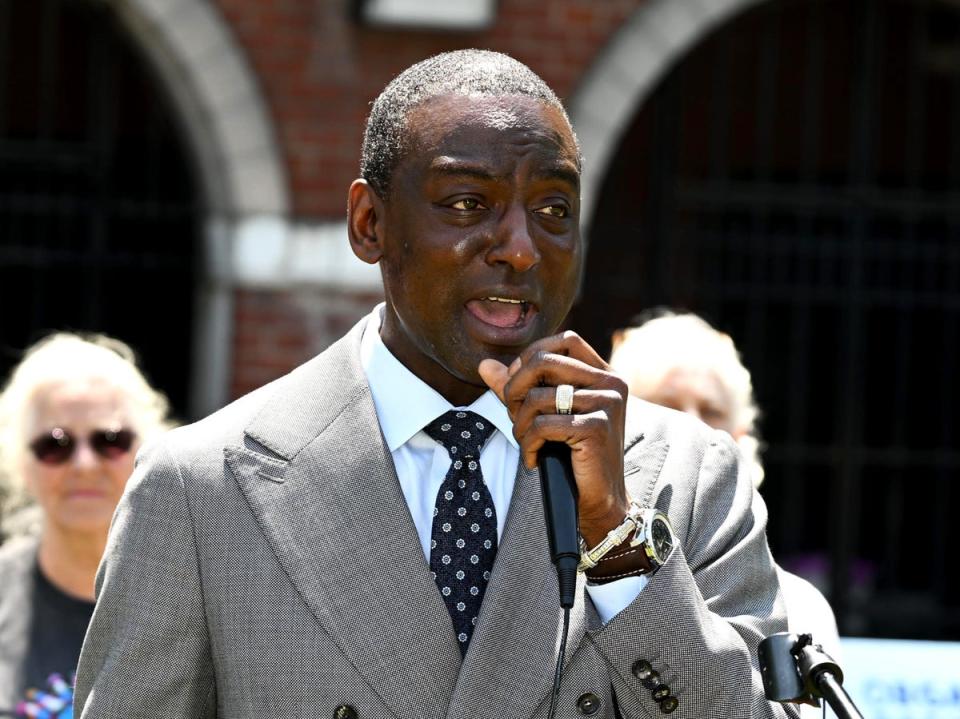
point(613, 597)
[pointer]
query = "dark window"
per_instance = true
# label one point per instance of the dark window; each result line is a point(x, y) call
point(796, 180)
point(98, 220)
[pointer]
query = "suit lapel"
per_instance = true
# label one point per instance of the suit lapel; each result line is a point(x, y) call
point(330, 504)
point(642, 460)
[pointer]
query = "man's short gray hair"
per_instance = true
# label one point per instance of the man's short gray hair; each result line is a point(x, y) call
point(461, 72)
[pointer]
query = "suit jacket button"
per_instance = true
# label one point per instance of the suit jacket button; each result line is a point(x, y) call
point(344, 711)
point(669, 705)
point(660, 693)
point(641, 669)
point(652, 681)
point(588, 703)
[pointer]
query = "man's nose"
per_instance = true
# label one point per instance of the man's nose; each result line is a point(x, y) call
point(515, 245)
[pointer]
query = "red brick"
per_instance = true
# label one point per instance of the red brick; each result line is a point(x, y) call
point(319, 70)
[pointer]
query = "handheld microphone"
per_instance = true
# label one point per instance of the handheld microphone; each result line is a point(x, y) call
point(560, 510)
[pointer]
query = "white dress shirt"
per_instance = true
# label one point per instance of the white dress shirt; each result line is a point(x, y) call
point(405, 405)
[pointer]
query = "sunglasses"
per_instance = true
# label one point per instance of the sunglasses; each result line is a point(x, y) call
point(59, 445)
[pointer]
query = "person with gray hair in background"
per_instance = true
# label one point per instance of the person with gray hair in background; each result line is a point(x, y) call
point(678, 360)
point(72, 415)
point(681, 362)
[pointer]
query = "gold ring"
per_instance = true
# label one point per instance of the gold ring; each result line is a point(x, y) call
point(564, 399)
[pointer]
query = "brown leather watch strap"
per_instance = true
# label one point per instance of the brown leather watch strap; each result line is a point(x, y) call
point(622, 561)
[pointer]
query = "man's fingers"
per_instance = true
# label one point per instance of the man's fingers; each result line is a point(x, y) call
point(549, 369)
point(543, 401)
point(559, 428)
point(567, 343)
point(495, 374)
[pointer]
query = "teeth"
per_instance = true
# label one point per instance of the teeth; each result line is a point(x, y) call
point(504, 299)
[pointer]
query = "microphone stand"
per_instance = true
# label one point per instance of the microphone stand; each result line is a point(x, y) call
point(795, 670)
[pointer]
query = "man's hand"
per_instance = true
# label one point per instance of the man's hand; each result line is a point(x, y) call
point(593, 431)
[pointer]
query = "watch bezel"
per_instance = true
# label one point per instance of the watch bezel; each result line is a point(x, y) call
point(644, 536)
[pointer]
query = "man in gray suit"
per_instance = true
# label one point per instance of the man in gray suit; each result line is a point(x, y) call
point(365, 536)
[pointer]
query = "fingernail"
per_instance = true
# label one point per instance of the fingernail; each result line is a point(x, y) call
point(515, 365)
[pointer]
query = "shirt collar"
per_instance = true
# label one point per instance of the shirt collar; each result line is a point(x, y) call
point(406, 404)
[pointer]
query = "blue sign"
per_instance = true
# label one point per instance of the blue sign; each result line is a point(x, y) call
point(892, 679)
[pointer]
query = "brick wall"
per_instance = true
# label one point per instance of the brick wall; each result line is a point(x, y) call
point(275, 330)
point(319, 71)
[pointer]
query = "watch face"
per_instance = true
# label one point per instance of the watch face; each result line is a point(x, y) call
point(661, 538)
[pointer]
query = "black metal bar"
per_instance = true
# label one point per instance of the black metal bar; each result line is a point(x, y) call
point(6, 222)
point(898, 457)
point(758, 250)
point(715, 234)
point(25, 255)
point(845, 522)
point(6, 26)
point(49, 68)
point(802, 198)
point(104, 68)
point(879, 298)
point(48, 152)
point(793, 505)
point(662, 167)
point(720, 102)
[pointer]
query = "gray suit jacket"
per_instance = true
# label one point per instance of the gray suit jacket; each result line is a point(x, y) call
point(18, 557)
point(263, 563)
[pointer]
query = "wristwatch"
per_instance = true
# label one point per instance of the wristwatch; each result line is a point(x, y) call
point(655, 535)
point(652, 534)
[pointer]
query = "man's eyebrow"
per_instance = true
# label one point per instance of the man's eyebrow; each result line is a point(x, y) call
point(457, 168)
point(564, 171)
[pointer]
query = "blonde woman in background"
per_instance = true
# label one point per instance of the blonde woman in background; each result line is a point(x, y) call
point(72, 416)
point(680, 361)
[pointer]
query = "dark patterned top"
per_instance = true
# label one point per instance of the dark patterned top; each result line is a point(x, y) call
point(41, 631)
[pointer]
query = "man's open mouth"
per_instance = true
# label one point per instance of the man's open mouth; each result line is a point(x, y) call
point(500, 311)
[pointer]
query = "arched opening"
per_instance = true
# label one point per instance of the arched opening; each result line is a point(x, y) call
point(98, 203)
point(794, 178)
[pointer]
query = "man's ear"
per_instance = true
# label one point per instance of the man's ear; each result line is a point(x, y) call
point(365, 221)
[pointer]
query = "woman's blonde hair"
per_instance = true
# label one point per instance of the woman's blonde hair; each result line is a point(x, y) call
point(644, 355)
point(63, 357)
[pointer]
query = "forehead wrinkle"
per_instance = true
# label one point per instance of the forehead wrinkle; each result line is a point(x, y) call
point(504, 112)
point(448, 134)
point(447, 166)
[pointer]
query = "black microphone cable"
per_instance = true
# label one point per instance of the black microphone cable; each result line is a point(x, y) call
point(557, 675)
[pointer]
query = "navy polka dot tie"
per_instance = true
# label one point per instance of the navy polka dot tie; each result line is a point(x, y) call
point(463, 544)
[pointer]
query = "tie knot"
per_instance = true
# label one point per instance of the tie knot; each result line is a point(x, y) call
point(462, 433)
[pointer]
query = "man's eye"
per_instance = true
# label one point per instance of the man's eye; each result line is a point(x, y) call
point(467, 203)
point(558, 211)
